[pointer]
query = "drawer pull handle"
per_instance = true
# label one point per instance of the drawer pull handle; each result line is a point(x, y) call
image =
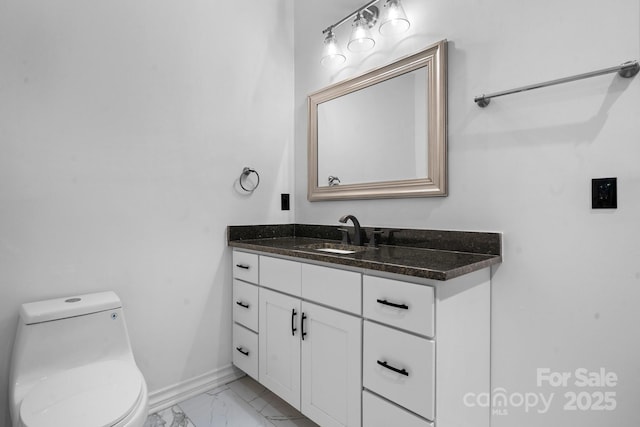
point(243, 351)
point(399, 371)
point(385, 302)
point(304, 316)
point(241, 304)
point(243, 266)
point(293, 321)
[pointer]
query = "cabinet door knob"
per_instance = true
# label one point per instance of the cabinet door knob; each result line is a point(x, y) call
point(293, 321)
point(241, 304)
point(399, 371)
point(243, 266)
point(243, 351)
point(391, 304)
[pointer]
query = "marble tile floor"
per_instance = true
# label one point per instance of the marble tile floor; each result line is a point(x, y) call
point(241, 403)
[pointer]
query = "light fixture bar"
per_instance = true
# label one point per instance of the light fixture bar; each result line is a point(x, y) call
point(351, 15)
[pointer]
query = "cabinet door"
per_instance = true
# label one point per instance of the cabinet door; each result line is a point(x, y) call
point(331, 366)
point(279, 345)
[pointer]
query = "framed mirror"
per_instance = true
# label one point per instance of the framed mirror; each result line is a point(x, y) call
point(382, 134)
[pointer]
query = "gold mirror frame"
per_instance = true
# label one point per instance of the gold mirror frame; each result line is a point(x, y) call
point(434, 58)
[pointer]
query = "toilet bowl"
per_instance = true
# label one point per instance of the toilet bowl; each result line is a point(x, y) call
point(72, 366)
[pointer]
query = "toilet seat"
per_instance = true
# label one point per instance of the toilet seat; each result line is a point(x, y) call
point(97, 395)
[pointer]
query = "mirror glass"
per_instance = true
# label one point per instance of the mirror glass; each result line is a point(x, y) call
point(381, 134)
point(365, 140)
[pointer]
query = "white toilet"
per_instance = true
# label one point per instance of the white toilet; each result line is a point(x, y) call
point(72, 366)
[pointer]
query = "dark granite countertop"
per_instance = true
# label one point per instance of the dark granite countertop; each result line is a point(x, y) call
point(431, 254)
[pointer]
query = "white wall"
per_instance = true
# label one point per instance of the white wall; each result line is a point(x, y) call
point(123, 129)
point(565, 295)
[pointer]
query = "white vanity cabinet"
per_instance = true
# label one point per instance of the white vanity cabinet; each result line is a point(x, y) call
point(310, 357)
point(310, 352)
point(365, 348)
point(399, 365)
point(426, 346)
point(245, 312)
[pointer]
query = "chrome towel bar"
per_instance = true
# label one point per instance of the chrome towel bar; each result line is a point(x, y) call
point(627, 70)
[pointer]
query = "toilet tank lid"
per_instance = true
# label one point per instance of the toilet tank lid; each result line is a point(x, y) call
point(73, 306)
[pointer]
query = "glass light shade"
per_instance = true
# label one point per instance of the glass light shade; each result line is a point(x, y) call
point(361, 39)
point(394, 20)
point(332, 55)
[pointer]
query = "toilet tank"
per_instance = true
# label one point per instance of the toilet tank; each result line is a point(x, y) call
point(64, 333)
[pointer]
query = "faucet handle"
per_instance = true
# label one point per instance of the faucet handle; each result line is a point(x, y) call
point(375, 237)
point(346, 240)
point(390, 238)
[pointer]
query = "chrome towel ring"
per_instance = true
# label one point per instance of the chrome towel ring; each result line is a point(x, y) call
point(246, 171)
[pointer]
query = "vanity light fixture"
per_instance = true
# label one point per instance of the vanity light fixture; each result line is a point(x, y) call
point(332, 55)
point(361, 39)
point(394, 21)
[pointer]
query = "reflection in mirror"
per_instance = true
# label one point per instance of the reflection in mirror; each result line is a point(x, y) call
point(381, 134)
point(365, 140)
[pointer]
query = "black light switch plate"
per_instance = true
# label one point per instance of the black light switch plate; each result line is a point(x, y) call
point(604, 193)
point(284, 201)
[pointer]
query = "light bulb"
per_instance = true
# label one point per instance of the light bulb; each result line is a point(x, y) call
point(361, 39)
point(394, 20)
point(332, 55)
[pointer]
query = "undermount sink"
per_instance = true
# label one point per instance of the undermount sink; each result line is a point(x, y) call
point(334, 248)
point(336, 251)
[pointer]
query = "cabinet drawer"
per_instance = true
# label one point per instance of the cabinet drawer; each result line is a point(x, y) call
point(400, 304)
point(245, 304)
point(377, 412)
point(386, 349)
point(245, 266)
point(336, 288)
point(280, 274)
point(245, 350)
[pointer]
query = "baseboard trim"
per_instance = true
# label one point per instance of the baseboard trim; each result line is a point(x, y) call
point(169, 396)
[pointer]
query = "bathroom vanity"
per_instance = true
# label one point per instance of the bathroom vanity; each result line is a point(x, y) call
point(396, 334)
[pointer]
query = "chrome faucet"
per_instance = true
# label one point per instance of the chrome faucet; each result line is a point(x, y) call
point(357, 231)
